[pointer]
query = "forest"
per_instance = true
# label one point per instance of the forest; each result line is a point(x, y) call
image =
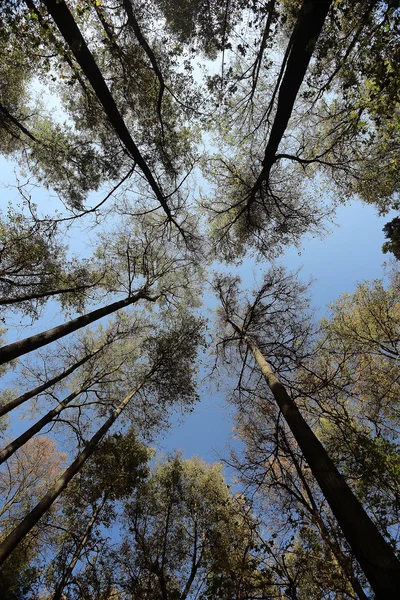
point(159, 160)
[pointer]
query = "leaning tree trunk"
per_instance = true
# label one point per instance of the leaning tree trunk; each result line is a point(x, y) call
point(58, 594)
point(373, 553)
point(6, 301)
point(74, 39)
point(36, 427)
point(307, 30)
point(5, 408)
point(343, 561)
point(46, 419)
point(28, 523)
point(12, 351)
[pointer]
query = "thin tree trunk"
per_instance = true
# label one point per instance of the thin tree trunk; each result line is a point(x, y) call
point(5, 301)
point(143, 42)
point(5, 408)
point(259, 59)
point(15, 122)
point(343, 561)
point(12, 351)
point(60, 587)
point(195, 565)
point(375, 556)
point(32, 518)
point(29, 433)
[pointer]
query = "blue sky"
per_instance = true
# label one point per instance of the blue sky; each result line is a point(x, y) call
point(351, 253)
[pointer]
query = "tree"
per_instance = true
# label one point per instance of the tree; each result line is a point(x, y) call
point(340, 132)
point(355, 62)
point(21, 483)
point(105, 114)
point(392, 233)
point(118, 466)
point(354, 371)
point(346, 386)
point(17, 349)
point(84, 386)
point(169, 372)
point(255, 200)
point(144, 266)
point(306, 551)
point(184, 533)
point(352, 518)
point(34, 267)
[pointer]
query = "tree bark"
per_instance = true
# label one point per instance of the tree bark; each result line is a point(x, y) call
point(73, 37)
point(195, 565)
point(307, 30)
point(49, 33)
point(143, 42)
point(343, 561)
point(32, 518)
point(15, 122)
point(12, 351)
point(5, 301)
point(374, 555)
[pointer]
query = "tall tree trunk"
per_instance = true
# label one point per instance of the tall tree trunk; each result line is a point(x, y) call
point(32, 518)
point(60, 47)
point(15, 122)
point(342, 560)
point(5, 408)
point(12, 351)
point(73, 37)
point(68, 572)
point(29, 433)
point(375, 556)
point(196, 561)
point(307, 30)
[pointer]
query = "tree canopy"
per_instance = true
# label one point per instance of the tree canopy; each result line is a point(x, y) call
point(156, 145)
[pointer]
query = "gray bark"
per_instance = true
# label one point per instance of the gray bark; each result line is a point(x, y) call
point(73, 37)
point(29, 433)
point(307, 30)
